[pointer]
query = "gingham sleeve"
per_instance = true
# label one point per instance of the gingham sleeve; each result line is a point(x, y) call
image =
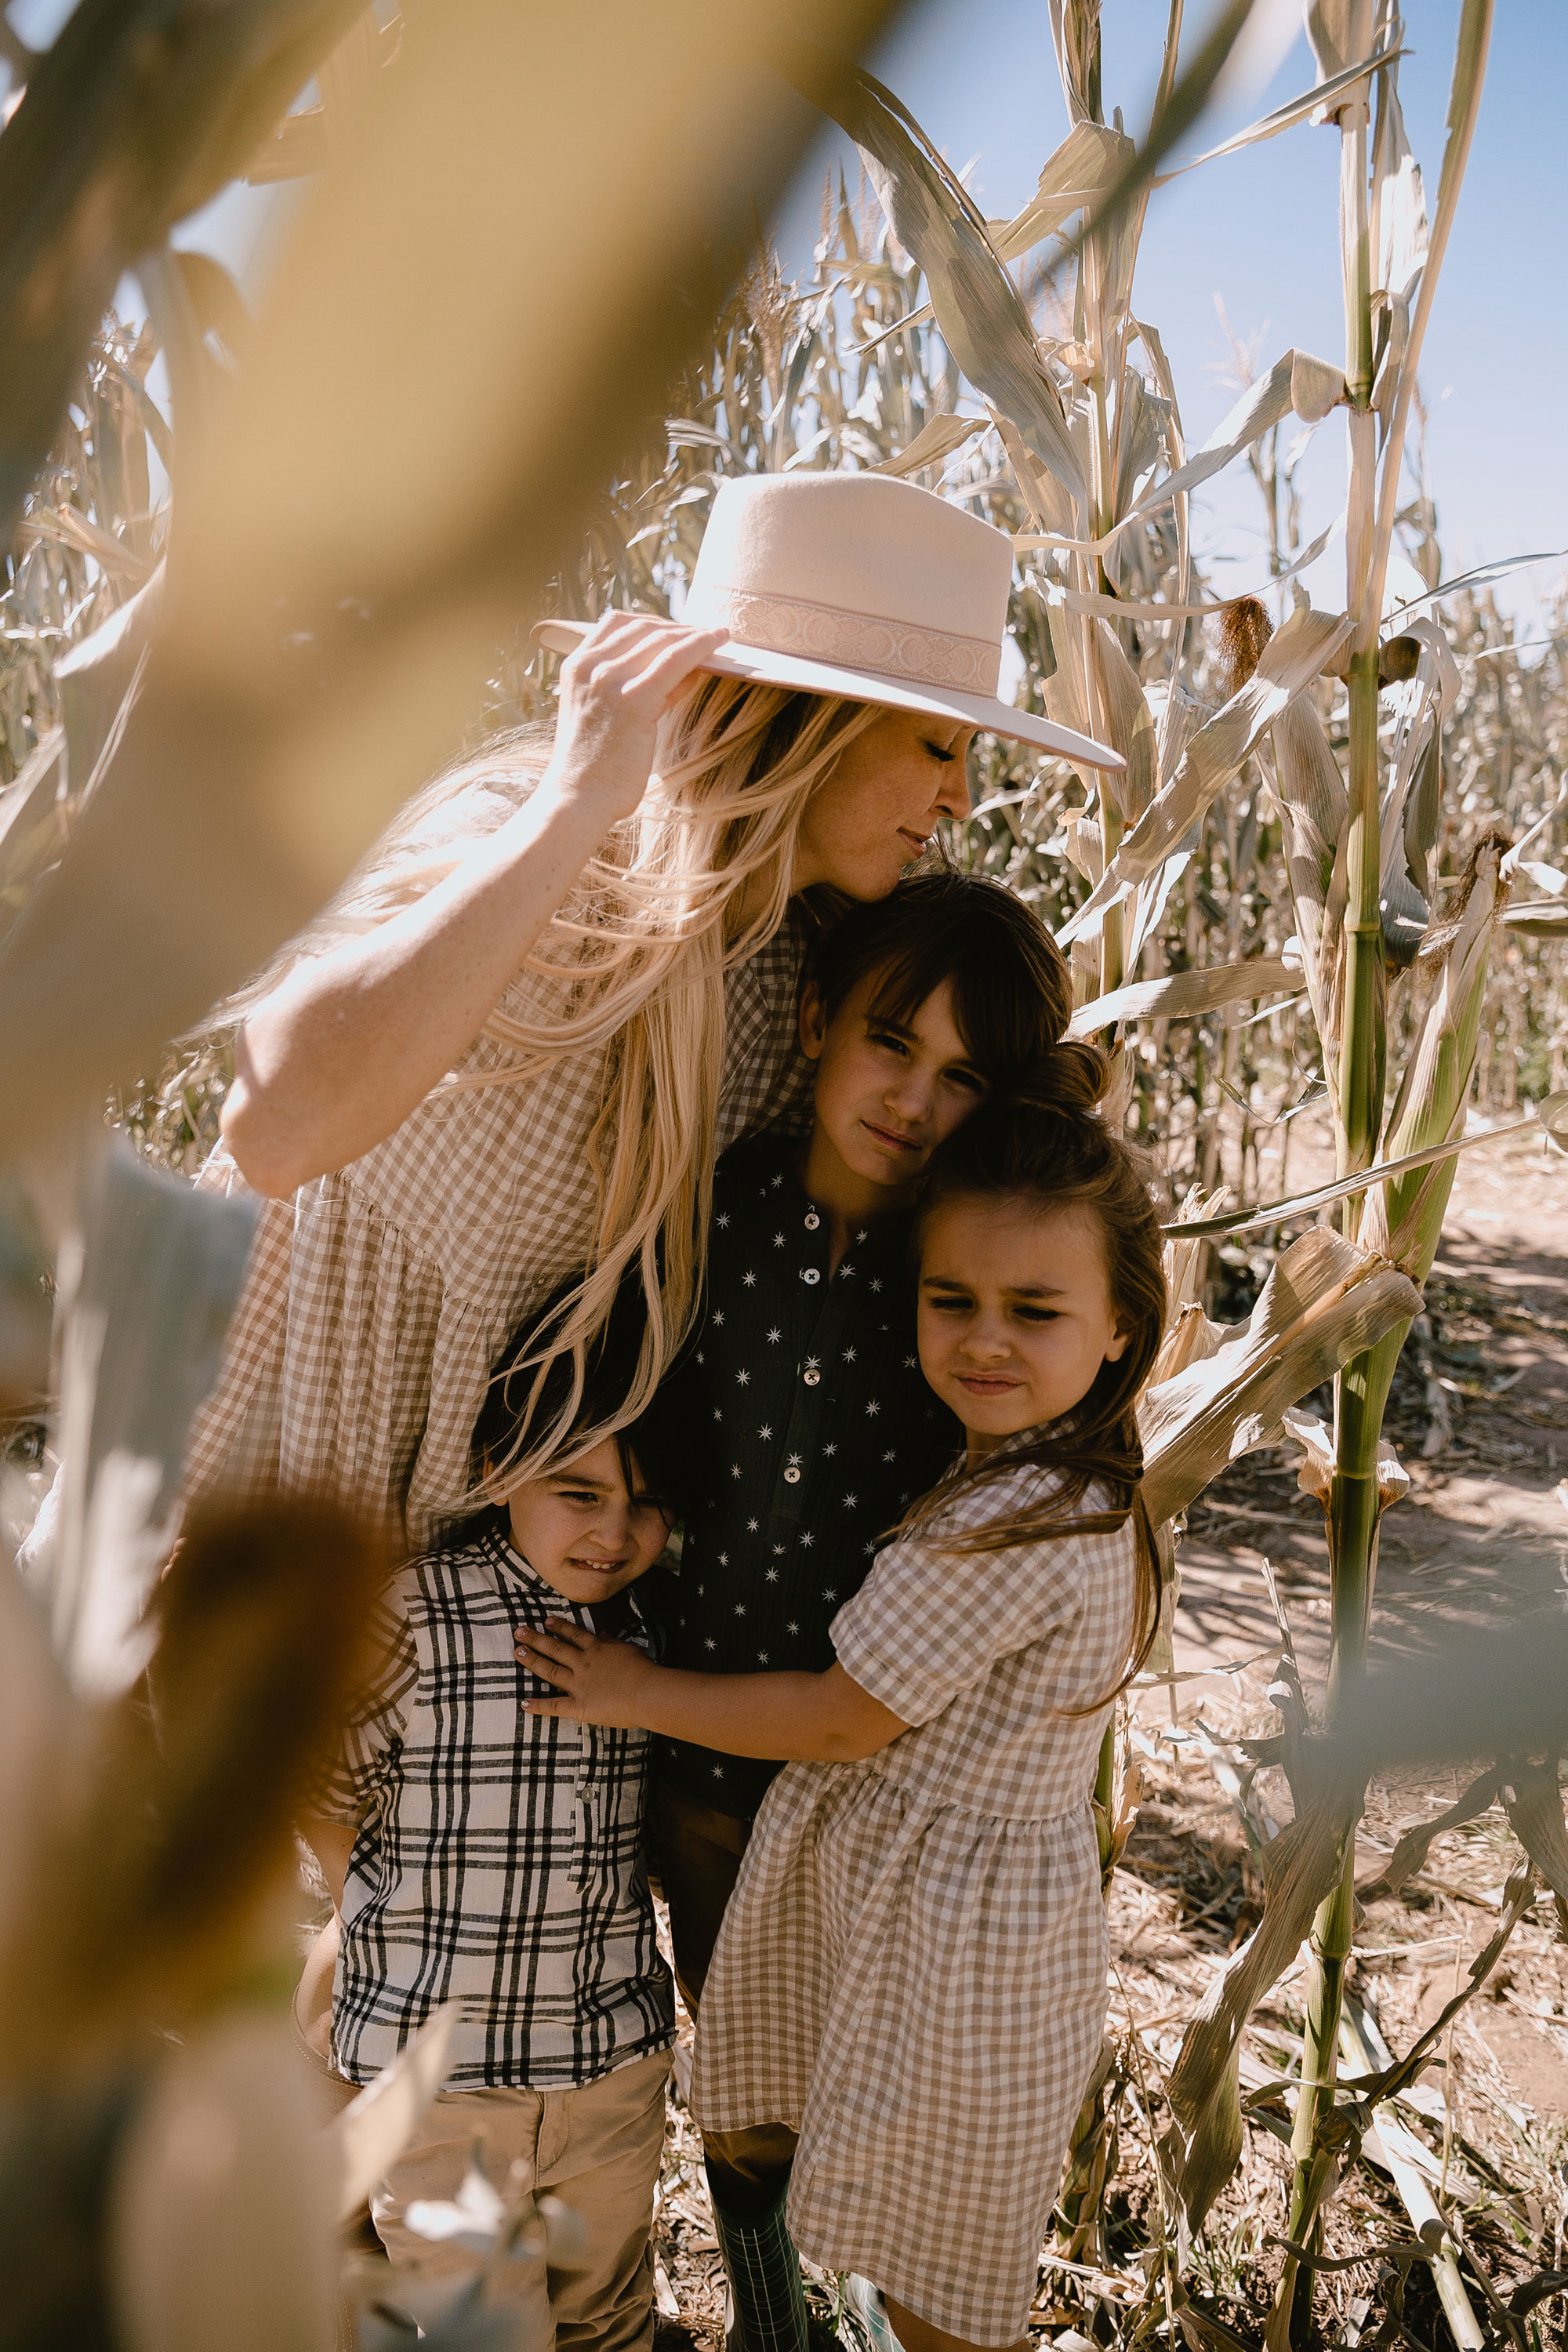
point(376, 1719)
point(929, 1622)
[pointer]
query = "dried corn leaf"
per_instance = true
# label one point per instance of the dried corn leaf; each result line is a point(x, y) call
point(933, 444)
point(372, 2133)
point(1203, 2144)
point(1325, 1301)
point(1293, 657)
point(1534, 1804)
point(1315, 1471)
point(1182, 995)
point(1412, 1849)
point(1295, 110)
point(978, 308)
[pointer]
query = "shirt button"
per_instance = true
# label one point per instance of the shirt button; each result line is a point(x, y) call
point(810, 1274)
point(792, 1477)
point(811, 1378)
point(812, 1220)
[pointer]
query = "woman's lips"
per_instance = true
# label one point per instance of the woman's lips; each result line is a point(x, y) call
point(917, 841)
point(986, 1383)
point(886, 1137)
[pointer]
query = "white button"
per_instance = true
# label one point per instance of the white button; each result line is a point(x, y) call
point(792, 1477)
point(809, 1274)
point(812, 1379)
point(812, 1220)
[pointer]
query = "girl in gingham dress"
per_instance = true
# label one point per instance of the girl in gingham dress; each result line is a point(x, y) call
point(912, 1973)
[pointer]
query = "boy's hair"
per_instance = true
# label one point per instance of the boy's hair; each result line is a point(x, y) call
point(1041, 1145)
point(1012, 991)
point(525, 1396)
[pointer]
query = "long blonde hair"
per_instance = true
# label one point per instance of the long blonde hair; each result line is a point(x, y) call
point(696, 879)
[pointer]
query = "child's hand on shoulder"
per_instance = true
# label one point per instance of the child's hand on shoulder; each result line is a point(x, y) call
point(599, 1682)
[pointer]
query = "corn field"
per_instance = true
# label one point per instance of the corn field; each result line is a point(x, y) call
point(1323, 901)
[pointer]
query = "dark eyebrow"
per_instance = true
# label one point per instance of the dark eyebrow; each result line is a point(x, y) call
point(572, 1478)
point(1034, 1290)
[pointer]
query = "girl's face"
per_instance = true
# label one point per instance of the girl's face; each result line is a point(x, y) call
point(882, 803)
point(581, 1532)
point(887, 1092)
point(1016, 1317)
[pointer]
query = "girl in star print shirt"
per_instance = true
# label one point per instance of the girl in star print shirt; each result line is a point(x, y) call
point(802, 1415)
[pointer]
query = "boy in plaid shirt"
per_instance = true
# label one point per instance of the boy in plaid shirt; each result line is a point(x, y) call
point(480, 1855)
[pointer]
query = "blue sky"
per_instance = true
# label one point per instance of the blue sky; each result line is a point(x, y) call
point(1260, 231)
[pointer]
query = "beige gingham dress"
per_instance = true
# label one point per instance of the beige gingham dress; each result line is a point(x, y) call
point(911, 1973)
point(377, 1300)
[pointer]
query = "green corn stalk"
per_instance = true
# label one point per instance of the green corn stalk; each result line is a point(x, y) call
point(1405, 1217)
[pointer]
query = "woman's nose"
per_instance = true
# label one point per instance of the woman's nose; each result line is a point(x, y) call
point(984, 1338)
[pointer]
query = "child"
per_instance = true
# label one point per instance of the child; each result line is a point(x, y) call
point(911, 1977)
point(479, 1854)
point(800, 1404)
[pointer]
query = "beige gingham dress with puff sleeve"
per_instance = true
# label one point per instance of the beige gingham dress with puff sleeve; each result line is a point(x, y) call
point(911, 1973)
point(377, 1300)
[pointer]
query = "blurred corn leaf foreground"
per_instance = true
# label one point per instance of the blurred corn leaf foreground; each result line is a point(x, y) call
point(321, 643)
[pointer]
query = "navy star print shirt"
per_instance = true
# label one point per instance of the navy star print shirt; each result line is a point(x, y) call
point(800, 1403)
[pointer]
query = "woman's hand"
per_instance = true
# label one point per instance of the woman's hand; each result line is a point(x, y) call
point(606, 1683)
point(343, 1049)
point(615, 689)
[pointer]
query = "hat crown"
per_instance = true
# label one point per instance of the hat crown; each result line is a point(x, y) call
point(856, 569)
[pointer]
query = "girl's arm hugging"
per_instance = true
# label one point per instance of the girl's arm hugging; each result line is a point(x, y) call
point(823, 1718)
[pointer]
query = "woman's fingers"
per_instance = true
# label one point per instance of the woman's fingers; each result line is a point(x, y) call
point(615, 689)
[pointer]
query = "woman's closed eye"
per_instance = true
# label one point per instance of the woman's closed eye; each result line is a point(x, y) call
point(937, 752)
point(950, 1302)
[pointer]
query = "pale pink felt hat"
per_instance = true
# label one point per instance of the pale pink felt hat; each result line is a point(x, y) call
point(862, 586)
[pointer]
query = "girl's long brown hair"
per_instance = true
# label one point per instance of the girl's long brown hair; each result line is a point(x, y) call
point(1041, 1144)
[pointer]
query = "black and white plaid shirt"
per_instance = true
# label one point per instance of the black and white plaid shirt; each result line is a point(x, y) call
point(498, 1861)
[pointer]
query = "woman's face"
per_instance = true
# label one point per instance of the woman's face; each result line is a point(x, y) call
point(882, 803)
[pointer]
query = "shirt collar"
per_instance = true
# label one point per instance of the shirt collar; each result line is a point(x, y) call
point(887, 1236)
point(507, 1557)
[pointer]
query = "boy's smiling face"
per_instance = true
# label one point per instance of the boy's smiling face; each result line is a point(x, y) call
point(887, 1092)
point(581, 1532)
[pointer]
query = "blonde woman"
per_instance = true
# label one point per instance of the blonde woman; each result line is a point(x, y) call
point(568, 980)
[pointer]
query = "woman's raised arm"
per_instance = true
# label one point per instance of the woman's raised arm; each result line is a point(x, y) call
point(336, 1057)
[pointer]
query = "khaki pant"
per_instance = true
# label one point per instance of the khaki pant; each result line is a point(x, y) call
point(596, 2147)
point(700, 1854)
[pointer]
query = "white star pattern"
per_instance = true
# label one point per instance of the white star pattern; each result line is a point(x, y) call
point(828, 1452)
point(845, 1269)
point(765, 1430)
point(717, 1413)
point(742, 1377)
point(779, 1550)
point(709, 1645)
point(771, 1575)
point(876, 1286)
point(717, 1317)
point(750, 1280)
point(872, 1409)
point(723, 1562)
point(777, 1182)
point(806, 1541)
point(735, 1471)
point(792, 1627)
point(830, 1593)
point(762, 1657)
point(739, 1608)
point(795, 1461)
point(722, 1220)
point(812, 1362)
point(752, 1527)
point(701, 1357)
point(851, 1502)
point(849, 1355)
point(778, 1240)
point(890, 1455)
point(908, 1364)
point(774, 1336)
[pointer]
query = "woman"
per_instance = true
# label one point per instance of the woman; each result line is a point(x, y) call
point(523, 1037)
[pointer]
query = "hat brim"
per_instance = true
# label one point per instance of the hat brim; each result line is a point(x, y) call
point(768, 669)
